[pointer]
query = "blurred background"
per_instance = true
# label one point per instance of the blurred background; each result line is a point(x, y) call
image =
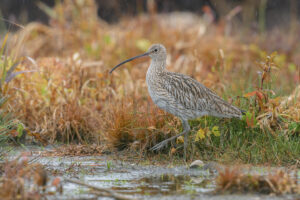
point(257, 15)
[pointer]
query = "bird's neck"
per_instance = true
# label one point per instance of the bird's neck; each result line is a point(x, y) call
point(157, 66)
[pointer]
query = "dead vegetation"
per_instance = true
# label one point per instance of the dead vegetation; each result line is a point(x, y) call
point(75, 150)
point(23, 179)
point(73, 99)
point(136, 124)
point(233, 180)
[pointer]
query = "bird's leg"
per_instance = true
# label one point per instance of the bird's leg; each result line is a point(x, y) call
point(222, 135)
point(186, 130)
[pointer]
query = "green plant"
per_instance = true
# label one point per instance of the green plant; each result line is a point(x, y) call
point(74, 100)
point(109, 165)
point(8, 66)
point(9, 127)
point(7, 123)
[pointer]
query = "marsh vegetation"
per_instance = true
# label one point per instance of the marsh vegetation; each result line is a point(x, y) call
point(55, 89)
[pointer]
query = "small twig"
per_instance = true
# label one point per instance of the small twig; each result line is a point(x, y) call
point(101, 191)
point(271, 185)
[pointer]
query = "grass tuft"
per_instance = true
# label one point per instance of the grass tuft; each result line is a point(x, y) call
point(136, 124)
point(22, 180)
point(233, 180)
point(73, 99)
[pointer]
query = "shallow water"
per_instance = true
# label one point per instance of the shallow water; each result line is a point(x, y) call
point(140, 181)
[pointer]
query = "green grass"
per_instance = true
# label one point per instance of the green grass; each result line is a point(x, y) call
point(239, 143)
point(250, 143)
point(7, 123)
point(250, 146)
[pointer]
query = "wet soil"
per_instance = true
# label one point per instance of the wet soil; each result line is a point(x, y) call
point(142, 181)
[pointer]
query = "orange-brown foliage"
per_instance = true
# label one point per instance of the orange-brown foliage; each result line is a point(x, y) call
point(233, 180)
point(73, 98)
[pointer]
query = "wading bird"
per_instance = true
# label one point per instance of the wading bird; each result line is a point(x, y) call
point(180, 95)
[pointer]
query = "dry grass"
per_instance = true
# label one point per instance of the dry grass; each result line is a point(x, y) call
point(73, 98)
point(75, 150)
point(21, 179)
point(136, 124)
point(232, 180)
point(56, 107)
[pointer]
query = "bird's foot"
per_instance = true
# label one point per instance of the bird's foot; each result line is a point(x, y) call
point(159, 145)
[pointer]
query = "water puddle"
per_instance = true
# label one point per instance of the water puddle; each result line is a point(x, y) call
point(139, 181)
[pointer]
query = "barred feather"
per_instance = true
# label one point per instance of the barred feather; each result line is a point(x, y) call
point(183, 96)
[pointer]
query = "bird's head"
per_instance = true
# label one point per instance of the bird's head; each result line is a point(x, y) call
point(155, 52)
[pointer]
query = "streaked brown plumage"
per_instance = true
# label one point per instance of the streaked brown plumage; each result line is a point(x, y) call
point(181, 95)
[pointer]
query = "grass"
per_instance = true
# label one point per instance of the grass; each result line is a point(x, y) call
point(136, 125)
point(249, 146)
point(10, 127)
point(21, 178)
point(73, 99)
point(233, 180)
point(109, 165)
point(16, 177)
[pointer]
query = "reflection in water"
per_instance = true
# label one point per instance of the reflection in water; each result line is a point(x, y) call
point(145, 182)
point(164, 184)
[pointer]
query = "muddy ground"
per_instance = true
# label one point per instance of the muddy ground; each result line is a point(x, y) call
point(136, 179)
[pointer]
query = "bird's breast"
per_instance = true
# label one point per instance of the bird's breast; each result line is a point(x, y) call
point(155, 91)
point(152, 89)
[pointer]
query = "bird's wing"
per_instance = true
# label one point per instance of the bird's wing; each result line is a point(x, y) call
point(193, 95)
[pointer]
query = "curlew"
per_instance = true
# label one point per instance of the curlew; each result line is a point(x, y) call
point(180, 94)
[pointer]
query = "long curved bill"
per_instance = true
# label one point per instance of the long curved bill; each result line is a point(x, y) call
point(128, 60)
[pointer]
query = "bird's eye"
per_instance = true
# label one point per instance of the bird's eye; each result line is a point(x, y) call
point(155, 50)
